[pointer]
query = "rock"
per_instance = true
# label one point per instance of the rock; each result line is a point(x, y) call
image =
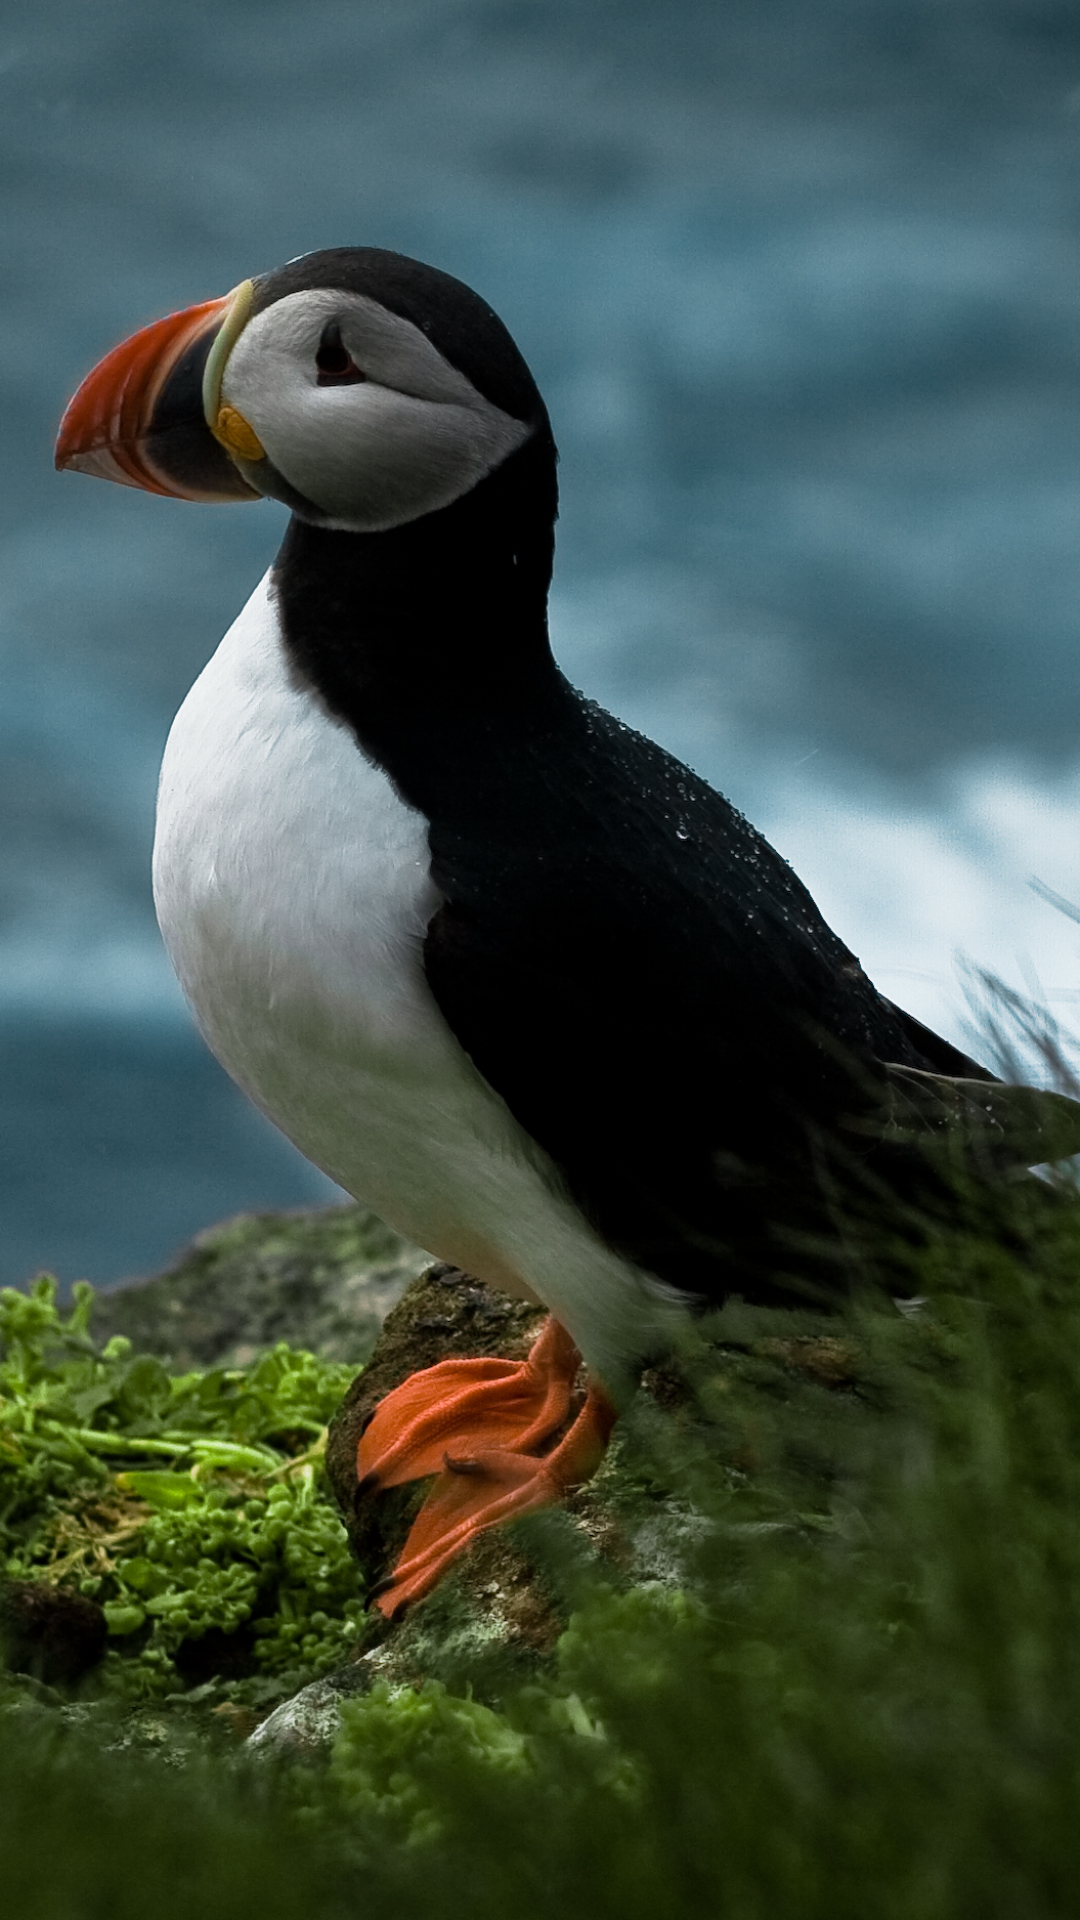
point(305, 1726)
point(50, 1633)
point(323, 1278)
point(773, 1388)
point(496, 1615)
point(445, 1314)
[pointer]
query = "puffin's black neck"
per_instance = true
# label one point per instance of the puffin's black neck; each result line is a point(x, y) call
point(436, 628)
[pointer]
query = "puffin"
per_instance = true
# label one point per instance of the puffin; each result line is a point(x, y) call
point(502, 967)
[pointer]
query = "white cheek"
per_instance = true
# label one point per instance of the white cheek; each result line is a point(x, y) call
point(376, 458)
point(367, 456)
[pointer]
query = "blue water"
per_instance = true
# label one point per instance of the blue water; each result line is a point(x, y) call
point(800, 283)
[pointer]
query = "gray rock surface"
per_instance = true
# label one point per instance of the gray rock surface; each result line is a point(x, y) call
point(307, 1725)
point(324, 1278)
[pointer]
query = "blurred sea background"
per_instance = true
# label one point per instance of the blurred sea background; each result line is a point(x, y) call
point(800, 281)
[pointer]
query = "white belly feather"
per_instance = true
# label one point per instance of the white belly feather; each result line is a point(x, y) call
point(293, 890)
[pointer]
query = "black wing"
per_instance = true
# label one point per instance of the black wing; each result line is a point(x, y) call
point(655, 995)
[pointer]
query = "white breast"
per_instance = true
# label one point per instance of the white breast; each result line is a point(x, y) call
point(293, 891)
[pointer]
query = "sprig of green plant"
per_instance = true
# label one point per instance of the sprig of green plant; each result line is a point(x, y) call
point(182, 1504)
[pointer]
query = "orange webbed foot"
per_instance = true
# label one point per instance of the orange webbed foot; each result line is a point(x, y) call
point(482, 1427)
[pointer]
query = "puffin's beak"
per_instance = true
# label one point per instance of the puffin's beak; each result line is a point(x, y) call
point(149, 415)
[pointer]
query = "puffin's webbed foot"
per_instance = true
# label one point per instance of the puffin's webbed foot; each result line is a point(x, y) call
point(485, 1429)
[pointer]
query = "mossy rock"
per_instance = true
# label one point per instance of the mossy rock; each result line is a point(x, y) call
point(497, 1614)
point(445, 1314)
point(492, 1605)
point(323, 1279)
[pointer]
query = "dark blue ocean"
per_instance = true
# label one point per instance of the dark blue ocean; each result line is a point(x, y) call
point(800, 280)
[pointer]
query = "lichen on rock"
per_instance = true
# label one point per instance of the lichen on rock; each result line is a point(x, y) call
point(321, 1278)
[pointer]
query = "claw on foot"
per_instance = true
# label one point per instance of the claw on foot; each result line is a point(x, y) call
point(487, 1430)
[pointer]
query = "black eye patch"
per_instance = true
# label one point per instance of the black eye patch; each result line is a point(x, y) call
point(334, 363)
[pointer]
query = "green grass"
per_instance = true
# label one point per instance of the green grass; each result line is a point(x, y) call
point(864, 1697)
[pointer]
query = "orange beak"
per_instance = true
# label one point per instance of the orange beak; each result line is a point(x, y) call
point(139, 416)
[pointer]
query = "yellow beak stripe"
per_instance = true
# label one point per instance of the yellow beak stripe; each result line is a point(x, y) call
point(226, 423)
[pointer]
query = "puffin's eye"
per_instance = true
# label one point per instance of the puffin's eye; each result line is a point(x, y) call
point(336, 366)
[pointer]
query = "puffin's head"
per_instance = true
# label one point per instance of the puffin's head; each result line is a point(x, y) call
point(361, 388)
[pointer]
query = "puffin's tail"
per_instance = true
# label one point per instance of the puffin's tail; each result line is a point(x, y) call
point(998, 1127)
